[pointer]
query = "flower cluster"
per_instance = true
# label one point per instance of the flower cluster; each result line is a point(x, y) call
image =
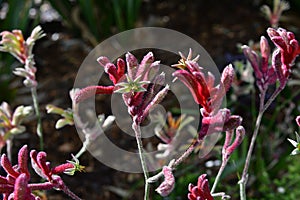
point(16, 184)
point(115, 74)
point(229, 145)
point(14, 43)
point(208, 95)
point(11, 123)
point(283, 58)
point(201, 190)
point(141, 87)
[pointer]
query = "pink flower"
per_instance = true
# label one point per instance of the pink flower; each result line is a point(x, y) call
point(201, 191)
point(219, 122)
point(274, 15)
point(16, 184)
point(115, 74)
point(167, 186)
point(265, 75)
point(208, 95)
point(287, 43)
point(203, 87)
point(141, 87)
point(283, 58)
point(229, 148)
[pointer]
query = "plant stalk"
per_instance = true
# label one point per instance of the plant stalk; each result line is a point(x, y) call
point(262, 108)
point(138, 137)
point(223, 165)
point(38, 115)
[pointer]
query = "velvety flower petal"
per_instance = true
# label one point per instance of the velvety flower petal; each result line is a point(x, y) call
point(121, 68)
point(239, 136)
point(167, 186)
point(132, 64)
point(7, 166)
point(227, 77)
point(22, 160)
point(191, 83)
point(21, 189)
point(254, 60)
point(90, 91)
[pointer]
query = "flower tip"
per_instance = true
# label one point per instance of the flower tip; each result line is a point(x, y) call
point(298, 120)
point(102, 60)
point(272, 32)
point(167, 186)
point(245, 47)
point(241, 130)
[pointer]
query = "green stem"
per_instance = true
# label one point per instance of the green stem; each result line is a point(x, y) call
point(174, 163)
point(138, 137)
point(244, 178)
point(38, 115)
point(262, 108)
point(223, 165)
point(83, 149)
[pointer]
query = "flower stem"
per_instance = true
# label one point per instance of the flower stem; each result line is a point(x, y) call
point(176, 162)
point(138, 137)
point(67, 191)
point(38, 115)
point(186, 153)
point(83, 149)
point(223, 165)
point(262, 108)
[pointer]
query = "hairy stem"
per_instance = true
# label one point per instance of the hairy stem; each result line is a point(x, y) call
point(38, 115)
point(67, 191)
point(138, 137)
point(186, 153)
point(262, 108)
point(223, 165)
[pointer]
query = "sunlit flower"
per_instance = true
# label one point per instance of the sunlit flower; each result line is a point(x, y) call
point(203, 87)
point(11, 122)
point(182, 62)
point(14, 43)
point(209, 96)
point(141, 90)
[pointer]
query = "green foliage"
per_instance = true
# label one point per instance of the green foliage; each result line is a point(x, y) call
point(95, 20)
point(286, 185)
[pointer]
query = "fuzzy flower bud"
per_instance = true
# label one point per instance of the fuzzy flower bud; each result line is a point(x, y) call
point(167, 186)
point(227, 77)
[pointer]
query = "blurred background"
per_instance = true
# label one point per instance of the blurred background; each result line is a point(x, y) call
point(74, 27)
